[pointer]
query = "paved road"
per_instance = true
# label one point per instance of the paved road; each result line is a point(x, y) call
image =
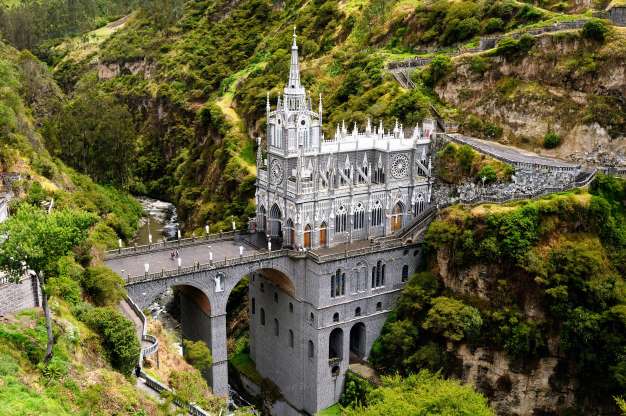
point(161, 260)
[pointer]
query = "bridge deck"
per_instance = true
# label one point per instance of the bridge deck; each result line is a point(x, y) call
point(189, 255)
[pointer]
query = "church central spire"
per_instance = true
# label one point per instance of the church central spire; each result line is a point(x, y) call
point(294, 69)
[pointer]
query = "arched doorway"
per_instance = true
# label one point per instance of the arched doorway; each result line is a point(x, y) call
point(397, 216)
point(323, 235)
point(335, 345)
point(276, 222)
point(357, 342)
point(307, 236)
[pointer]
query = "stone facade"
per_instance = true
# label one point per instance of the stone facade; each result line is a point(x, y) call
point(315, 193)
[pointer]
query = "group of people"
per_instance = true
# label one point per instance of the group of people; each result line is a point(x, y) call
point(174, 254)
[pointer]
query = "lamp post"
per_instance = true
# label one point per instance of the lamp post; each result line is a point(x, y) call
point(240, 251)
point(146, 267)
point(206, 229)
point(180, 262)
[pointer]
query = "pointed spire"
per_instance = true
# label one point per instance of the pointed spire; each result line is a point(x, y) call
point(294, 69)
point(355, 130)
point(381, 131)
point(338, 133)
point(368, 129)
point(344, 131)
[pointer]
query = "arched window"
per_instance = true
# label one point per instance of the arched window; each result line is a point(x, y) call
point(290, 307)
point(262, 316)
point(405, 273)
point(397, 215)
point(307, 236)
point(419, 205)
point(323, 234)
point(341, 220)
point(357, 311)
point(336, 317)
point(262, 222)
point(359, 217)
point(276, 221)
point(253, 306)
point(290, 235)
point(311, 317)
point(276, 327)
point(338, 284)
point(291, 338)
point(379, 306)
point(311, 349)
point(276, 297)
point(378, 275)
point(377, 214)
point(262, 287)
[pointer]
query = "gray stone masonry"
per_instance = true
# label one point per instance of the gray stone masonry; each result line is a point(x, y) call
point(17, 296)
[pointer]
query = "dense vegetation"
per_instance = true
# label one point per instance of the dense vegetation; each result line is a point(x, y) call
point(565, 254)
point(457, 164)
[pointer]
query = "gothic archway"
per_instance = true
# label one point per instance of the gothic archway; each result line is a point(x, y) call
point(276, 217)
point(323, 235)
point(397, 216)
point(335, 345)
point(307, 236)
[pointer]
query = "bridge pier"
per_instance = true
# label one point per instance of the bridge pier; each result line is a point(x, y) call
point(219, 370)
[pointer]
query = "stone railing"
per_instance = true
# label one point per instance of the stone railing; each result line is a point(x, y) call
point(154, 343)
point(218, 264)
point(169, 245)
point(4, 279)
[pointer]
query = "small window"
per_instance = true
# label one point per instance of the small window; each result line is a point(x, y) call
point(262, 316)
point(290, 307)
point(253, 306)
point(357, 311)
point(335, 371)
point(379, 306)
point(311, 317)
point(276, 327)
point(405, 273)
point(415, 253)
point(311, 349)
point(262, 287)
point(275, 297)
point(406, 251)
point(336, 317)
point(291, 338)
point(303, 122)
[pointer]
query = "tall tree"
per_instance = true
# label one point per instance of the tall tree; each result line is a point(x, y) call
point(34, 242)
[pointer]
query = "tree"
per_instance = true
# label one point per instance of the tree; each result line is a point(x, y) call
point(595, 30)
point(452, 319)
point(551, 140)
point(35, 242)
point(423, 393)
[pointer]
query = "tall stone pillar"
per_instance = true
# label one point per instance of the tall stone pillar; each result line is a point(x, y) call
point(219, 370)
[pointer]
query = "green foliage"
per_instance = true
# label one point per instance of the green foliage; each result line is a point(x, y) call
point(94, 133)
point(41, 239)
point(437, 70)
point(119, 337)
point(488, 174)
point(551, 140)
point(452, 319)
point(355, 391)
point(456, 163)
point(514, 48)
point(595, 30)
point(423, 393)
point(103, 286)
point(197, 354)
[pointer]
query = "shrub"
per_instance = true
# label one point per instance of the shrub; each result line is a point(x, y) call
point(595, 30)
point(437, 70)
point(511, 48)
point(551, 140)
point(355, 391)
point(197, 354)
point(495, 24)
point(103, 286)
point(488, 173)
point(452, 319)
point(119, 337)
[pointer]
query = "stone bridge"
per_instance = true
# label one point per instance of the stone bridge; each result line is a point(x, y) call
point(208, 268)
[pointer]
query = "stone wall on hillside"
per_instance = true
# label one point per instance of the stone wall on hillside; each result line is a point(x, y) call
point(17, 296)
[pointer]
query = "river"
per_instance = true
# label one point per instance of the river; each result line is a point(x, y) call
point(160, 221)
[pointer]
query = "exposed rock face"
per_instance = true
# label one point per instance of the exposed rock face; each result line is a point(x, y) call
point(550, 89)
point(516, 391)
point(115, 69)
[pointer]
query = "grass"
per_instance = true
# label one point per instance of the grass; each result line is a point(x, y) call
point(334, 410)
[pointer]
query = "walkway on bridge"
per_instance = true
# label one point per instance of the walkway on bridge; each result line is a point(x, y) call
point(189, 255)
